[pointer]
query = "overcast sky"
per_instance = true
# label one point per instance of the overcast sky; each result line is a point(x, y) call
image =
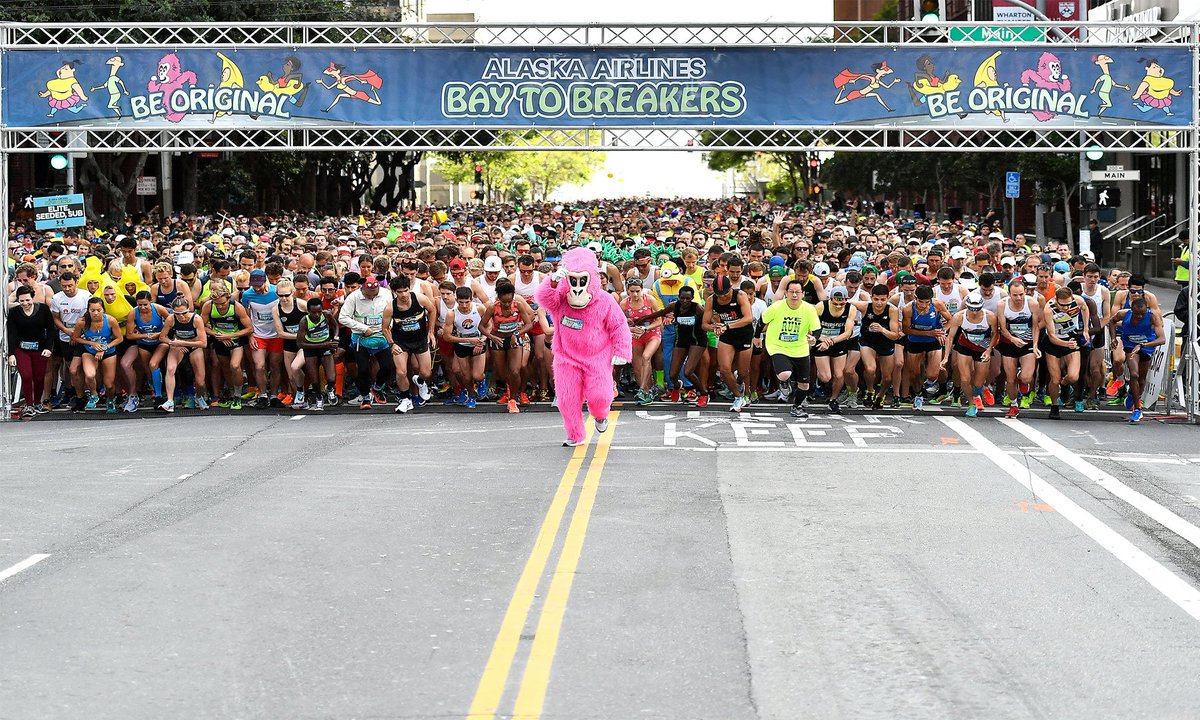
point(635, 173)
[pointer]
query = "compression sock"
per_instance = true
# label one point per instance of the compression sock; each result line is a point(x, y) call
point(799, 396)
point(156, 382)
point(659, 378)
point(340, 372)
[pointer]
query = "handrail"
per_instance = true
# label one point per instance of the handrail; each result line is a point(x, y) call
point(1147, 220)
point(1171, 229)
point(1121, 224)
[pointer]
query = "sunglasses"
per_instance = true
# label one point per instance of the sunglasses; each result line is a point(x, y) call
point(281, 295)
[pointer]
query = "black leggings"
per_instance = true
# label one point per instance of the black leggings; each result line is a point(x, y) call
point(363, 357)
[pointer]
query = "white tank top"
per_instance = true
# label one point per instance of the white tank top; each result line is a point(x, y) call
point(951, 300)
point(1020, 321)
point(467, 324)
point(489, 289)
point(992, 303)
point(527, 289)
point(1097, 298)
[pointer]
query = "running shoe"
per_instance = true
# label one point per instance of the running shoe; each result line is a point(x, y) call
point(1136, 415)
point(1013, 411)
point(260, 402)
point(298, 401)
point(286, 398)
point(201, 403)
point(28, 412)
point(1055, 413)
point(1114, 387)
point(366, 403)
point(92, 402)
point(972, 411)
point(110, 407)
point(276, 402)
point(222, 403)
point(319, 405)
point(834, 406)
point(131, 405)
point(702, 401)
point(404, 406)
point(422, 388)
point(1006, 400)
point(1079, 406)
point(690, 396)
point(331, 397)
point(502, 400)
point(978, 404)
point(895, 403)
point(483, 390)
point(738, 403)
point(417, 401)
point(250, 393)
point(918, 402)
point(523, 399)
point(988, 398)
point(512, 406)
point(773, 395)
point(877, 401)
point(1026, 401)
point(956, 402)
point(43, 408)
point(189, 402)
point(852, 402)
point(798, 412)
point(644, 397)
point(674, 396)
point(1046, 399)
point(601, 425)
point(235, 404)
point(544, 396)
point(168, 406)
point(573, 443)
point(377, 397)
point(471, 403)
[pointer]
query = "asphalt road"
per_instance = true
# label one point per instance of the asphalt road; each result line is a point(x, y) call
point(683, 565)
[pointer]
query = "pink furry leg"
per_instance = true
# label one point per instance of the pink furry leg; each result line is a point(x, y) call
point(569, 390)
point(598, 390)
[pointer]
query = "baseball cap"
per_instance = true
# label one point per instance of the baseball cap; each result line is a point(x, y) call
point(184, 258)
point(1062, 267)
point(906, 278)
point(968, 281)
point(370, 281)
point(778, 271)
point(958, 252)
point(777, 262)
point(974, 301)
point(1029, 279)
point(257, 277)
point(821, 269)
point(838, 292)
point(1008, 260)
point(343, 250)
point(493, 264)
point(458, 264)
point(595, 246)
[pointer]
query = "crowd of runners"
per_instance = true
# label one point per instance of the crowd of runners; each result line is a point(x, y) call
point(725, 299)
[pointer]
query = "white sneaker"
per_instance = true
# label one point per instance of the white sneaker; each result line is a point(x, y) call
point(404, 405)
point(319, 405)
point(739, 402)
point(601, 425)
point(422, 388)
point(298, 401)
point(573, 443)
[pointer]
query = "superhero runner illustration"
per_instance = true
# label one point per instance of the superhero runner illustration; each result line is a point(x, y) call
point(341, 80)
point(114, 84)
point(1155, 90)
point(985, 77)
point(290, 82)
point(64, 90)
point(231, 77)
point(169, 79)
point(1049, 74)
point(879, 71)
point(1104, 84)
point(926, 81)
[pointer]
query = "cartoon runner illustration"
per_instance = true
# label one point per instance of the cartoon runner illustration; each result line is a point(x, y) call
point(1155, 90)
point(231, 77)
point(1104, 84)
point(1048, 75)
point(985, 77)
point(169, 79)
point(926, 81)
point(64, 90)
point(341, 80)
point(290, 82)
point(115, 85)
point(874, 80)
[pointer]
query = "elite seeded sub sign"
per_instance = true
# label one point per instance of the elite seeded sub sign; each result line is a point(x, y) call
point(58, 211)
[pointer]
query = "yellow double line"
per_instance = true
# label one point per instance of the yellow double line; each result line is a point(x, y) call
point(531, 695)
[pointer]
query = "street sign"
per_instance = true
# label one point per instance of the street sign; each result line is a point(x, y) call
point(147, 185)
point(993, 34)
point(1012, 185)
point(1108, 197)
point(1115, 175)
point(58, 211)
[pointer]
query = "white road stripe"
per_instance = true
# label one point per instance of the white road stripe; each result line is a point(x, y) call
point(23, 565)
point(298, 417)
point(1168, 583)
point(184, 476)
point(1156, 512)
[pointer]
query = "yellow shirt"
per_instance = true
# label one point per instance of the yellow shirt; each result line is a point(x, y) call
point(788, 328)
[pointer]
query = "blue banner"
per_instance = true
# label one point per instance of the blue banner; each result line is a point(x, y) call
point(812, 86)
point(58, 211)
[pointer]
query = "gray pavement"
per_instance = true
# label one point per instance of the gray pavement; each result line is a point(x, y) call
point(361, 566)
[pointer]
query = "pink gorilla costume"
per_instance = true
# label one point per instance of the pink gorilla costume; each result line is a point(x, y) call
point(590, 336)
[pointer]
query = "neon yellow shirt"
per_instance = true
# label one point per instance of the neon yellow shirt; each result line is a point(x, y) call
point(788, 328)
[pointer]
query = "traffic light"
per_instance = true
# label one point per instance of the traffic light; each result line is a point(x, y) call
point(478, 174)
point(59, 161)
point(477, 195)
point(814, 163)
point(814, 190)
point(929, 11)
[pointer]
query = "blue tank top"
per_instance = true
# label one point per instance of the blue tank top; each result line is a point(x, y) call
point(153, 325)
point(926, 321)
point(103, 334)
point(1136, 334)
point(165, 299)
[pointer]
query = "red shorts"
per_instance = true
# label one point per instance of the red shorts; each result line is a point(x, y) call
point(445, 349)
point(271, 345)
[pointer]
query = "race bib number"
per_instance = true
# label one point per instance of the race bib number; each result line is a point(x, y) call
point(265, 316)
point(689, 320)
point(570, 322)
point(789, 337)
point(410, 325)
point(29, 345)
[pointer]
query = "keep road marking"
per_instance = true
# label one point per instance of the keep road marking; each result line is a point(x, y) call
point(1163, 580)
point(499, 664)
point(1156, 512)
point(532, 695)
point(23, 565)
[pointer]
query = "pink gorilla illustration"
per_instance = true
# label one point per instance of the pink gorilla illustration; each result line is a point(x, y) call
point(590, 336)
point(169, 79)
point(1049, 75)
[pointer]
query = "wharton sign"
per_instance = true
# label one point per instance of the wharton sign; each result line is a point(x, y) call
point(446, 87)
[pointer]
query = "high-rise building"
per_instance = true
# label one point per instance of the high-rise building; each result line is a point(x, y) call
point(856, 10)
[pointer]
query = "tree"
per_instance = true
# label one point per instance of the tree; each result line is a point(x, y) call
point(508, 174)
point(1055, 177)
